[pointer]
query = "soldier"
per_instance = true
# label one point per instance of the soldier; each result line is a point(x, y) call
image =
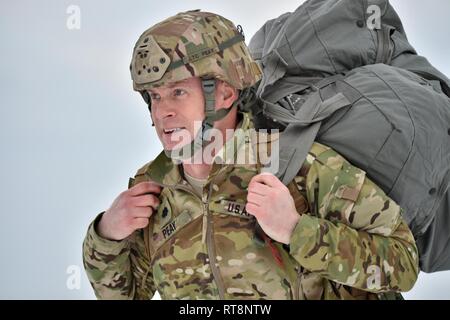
point(190, 230)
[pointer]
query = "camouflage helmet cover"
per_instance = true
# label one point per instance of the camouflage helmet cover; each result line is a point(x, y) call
point(192, 44)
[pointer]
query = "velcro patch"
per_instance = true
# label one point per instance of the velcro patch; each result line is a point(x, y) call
point(348, 193)
point(233, 208)
point(150, 62)
point(169, 229)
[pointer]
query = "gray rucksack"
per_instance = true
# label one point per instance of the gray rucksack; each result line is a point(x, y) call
point(367, 94)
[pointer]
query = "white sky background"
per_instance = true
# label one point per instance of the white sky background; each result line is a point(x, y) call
point(72, 130)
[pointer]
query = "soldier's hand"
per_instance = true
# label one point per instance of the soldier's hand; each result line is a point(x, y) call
point(270, 201)
point(130, 211)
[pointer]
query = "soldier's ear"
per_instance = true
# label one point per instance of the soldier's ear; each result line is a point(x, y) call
point(226, 94)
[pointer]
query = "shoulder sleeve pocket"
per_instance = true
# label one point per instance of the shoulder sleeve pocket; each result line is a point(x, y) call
point(344, 194)
point(361, 204)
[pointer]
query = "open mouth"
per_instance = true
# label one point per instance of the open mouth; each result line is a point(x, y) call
point(172, 130)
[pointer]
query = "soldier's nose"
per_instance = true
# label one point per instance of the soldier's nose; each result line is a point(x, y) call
point(163, 112)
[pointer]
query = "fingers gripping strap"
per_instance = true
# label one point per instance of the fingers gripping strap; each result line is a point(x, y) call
point(146, 234)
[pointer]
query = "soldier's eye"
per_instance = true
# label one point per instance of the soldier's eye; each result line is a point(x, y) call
point(179, 92)
point(155, 96)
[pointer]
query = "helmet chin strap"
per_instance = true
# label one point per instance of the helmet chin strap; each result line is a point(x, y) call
point(203, 136)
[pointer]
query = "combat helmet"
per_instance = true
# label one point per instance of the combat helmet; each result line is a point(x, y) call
point(194, 44)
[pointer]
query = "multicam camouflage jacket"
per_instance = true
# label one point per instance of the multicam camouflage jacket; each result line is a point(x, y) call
point(350, 242)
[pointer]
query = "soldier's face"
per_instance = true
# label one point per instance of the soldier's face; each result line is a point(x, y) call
point(177, 110)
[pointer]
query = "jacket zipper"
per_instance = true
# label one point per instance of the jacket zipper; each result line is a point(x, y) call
point(206, 235)
point(210, 246)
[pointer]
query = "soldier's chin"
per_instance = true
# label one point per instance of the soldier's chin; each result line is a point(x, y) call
point(170, 146)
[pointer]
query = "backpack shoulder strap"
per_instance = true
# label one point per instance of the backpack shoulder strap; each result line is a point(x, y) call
point(297, 139)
